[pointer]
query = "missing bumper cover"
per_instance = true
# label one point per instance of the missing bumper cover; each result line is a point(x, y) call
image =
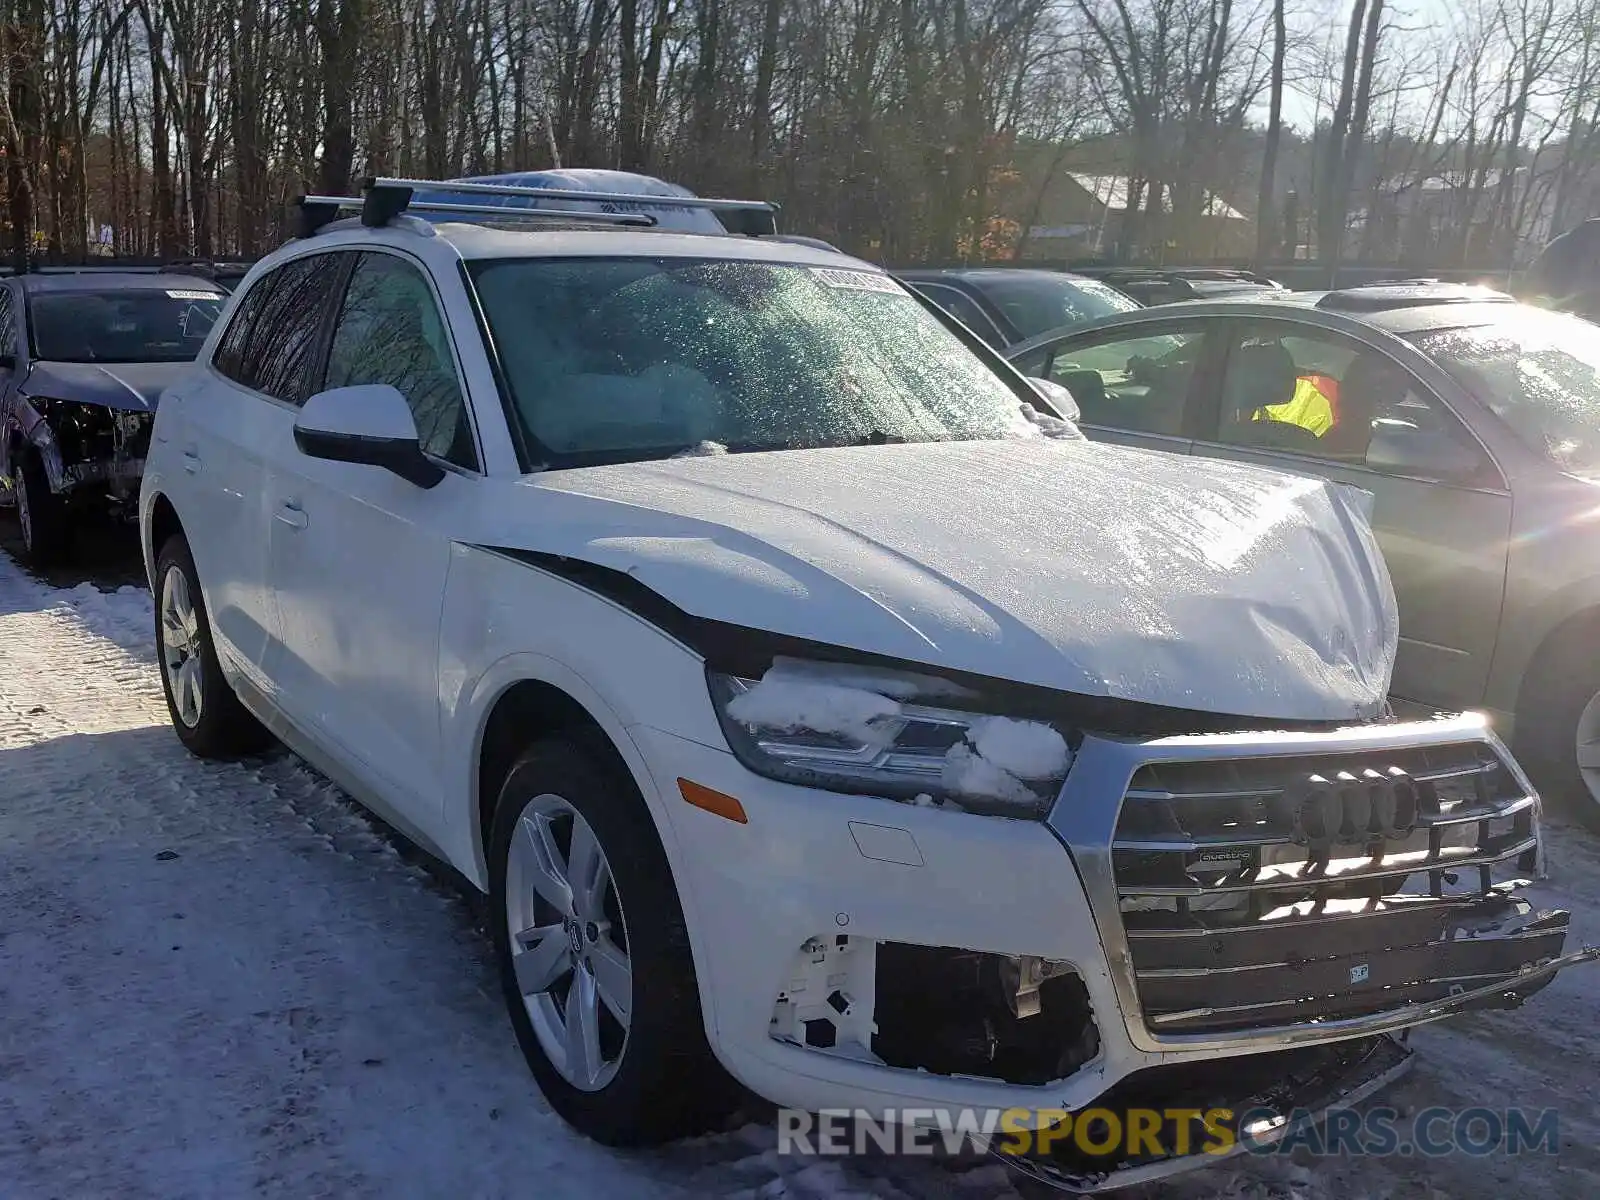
point(1016, 1019)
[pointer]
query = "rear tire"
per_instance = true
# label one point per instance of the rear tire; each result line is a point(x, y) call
point(1562, 712)
point(209, 719)
point(46, 527)
point(654, 1077)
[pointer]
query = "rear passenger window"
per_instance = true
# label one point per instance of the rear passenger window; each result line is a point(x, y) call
point(229, 356)
point(271, 343)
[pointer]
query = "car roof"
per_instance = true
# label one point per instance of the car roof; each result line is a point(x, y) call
point(980, 274)
point(1303, 306)
point(1414, 318)
point(115, 281)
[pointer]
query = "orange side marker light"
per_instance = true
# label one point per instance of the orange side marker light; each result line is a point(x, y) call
point(713, 801)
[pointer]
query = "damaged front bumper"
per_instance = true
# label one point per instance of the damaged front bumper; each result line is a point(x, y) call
point(1273, 1095)
point(1281, 1093)
point(84, 446)
point(1198, 903)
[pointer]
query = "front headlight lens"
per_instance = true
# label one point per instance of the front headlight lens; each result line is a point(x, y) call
point(901, 735)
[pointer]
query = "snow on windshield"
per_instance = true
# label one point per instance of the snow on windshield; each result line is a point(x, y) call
point(1537, 371)
point(617, 359)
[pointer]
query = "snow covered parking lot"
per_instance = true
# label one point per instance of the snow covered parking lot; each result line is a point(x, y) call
point(223, 981)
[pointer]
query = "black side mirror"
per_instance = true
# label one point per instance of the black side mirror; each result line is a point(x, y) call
point(1433, 454)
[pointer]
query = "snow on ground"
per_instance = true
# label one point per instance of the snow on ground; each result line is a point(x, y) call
point(222, 980)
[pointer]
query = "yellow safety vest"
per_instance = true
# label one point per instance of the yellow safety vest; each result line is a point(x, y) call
point(1311, 407)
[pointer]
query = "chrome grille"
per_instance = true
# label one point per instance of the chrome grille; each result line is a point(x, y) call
point(1275, 890)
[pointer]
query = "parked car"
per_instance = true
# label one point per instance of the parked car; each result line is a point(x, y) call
point(1173, 285)
point(83, 359)
point(1474, 421)
point(1006, 305)
point(811, 713)
point(224, 274)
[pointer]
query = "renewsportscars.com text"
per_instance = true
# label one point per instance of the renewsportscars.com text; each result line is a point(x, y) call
point(1100, 1132)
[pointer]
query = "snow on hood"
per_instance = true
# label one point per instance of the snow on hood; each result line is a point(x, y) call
point(127, 387)
point(1071, 565)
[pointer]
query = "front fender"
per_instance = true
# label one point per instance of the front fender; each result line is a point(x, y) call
point(506, 622)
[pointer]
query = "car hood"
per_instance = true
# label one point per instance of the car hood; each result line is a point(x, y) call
point(1071, 565)
point(127, 387)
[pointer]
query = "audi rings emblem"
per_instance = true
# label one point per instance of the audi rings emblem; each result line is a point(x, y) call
point(1353, 807)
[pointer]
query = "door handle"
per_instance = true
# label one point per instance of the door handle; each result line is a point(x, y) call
point(291, 514)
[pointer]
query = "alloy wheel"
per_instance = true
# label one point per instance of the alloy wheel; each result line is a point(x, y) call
point(1587, 747)
point(569, 942)
point(180, 646)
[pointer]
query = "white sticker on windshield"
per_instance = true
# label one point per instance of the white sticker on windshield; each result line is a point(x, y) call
point(180, 294)
point(857, 281)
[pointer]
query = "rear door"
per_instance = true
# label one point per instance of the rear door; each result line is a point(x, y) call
point(1441, 511)
point(1135, 384)
point(224, 418)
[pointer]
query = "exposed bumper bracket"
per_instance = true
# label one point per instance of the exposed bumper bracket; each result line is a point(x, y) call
point(1319, 1080)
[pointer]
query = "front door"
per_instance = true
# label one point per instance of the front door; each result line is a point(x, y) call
point(1314, 401)
point(359, 556)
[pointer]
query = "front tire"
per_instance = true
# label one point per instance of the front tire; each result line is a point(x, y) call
point(46, 529)
point(593, 953)
point(207, 715)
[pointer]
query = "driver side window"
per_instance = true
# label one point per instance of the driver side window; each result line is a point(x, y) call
point(390, 331)
point(1136, 383)
point(1337, 401)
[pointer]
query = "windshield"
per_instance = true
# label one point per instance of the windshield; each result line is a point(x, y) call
point(622, 359)
point(136, 325)
point(1539, 372)
point(1036, 304)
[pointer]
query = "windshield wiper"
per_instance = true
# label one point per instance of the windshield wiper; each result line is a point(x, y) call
point(879, 438)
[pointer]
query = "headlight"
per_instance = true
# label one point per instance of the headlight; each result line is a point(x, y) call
point(901, 735)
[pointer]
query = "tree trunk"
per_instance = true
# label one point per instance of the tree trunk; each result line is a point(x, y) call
point(1267, 238)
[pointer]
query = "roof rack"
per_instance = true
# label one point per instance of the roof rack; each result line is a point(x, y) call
point(384, 199)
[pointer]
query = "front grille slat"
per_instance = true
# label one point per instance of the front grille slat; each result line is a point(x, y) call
point(1446, 859)
point(1356, 974)
point(1396, 924)
point(1278, 890)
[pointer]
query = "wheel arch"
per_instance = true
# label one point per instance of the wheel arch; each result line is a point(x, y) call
point(160, 524)
point(1549, 644)
point(527, 696)
point(524, 697)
